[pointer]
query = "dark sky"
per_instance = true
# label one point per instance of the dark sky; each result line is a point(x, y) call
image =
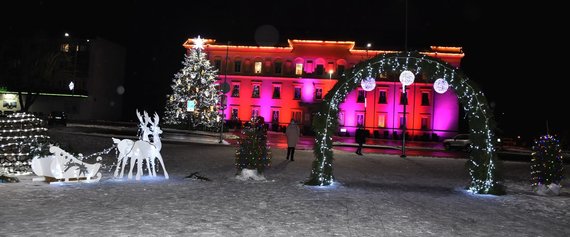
point(509, 49)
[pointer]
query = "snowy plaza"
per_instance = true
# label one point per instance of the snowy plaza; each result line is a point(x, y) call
point(376, 195)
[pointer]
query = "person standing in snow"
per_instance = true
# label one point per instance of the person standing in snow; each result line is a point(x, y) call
point(360, 138)
point(293, 134)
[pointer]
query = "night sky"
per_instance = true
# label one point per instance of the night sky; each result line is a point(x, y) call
point(509, 50)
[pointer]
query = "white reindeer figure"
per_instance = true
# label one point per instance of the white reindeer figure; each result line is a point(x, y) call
point(144, 130)
point(141, 150)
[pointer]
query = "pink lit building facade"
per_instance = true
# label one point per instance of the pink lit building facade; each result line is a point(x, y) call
point(284, 83)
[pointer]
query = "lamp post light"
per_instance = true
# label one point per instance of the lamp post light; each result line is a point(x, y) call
point(71, 87)
point(224, 88)
point(330, 74)
point(406, 78)
point(367, 48)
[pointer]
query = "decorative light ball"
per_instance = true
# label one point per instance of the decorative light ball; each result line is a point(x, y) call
point(407, 78)
point(440, 85)
point(368, 84)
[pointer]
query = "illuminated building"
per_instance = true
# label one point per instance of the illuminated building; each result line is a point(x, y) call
point(284, 83)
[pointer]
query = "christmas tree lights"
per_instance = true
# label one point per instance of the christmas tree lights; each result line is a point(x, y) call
point(253, 152)
point(482, 163)
point(22, 137)
point(194, 85)
point(547, 166)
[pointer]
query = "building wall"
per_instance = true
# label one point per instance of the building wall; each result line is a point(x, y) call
point(439, 115)
point(96, 95)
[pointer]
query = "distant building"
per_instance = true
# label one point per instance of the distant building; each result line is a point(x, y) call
point(96, 69)
point(284, 83)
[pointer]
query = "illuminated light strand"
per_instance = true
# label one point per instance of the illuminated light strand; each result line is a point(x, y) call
point(472, 103)
point(24, 130)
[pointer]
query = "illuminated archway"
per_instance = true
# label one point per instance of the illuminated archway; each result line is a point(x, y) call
point(482, 162)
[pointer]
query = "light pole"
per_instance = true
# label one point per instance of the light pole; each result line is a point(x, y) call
point(72, 87)
point(405, 98)
point(225, 88)
point(367, 48)
point(330, 74)
point(406, 78)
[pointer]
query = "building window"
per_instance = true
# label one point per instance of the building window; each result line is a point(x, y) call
point(235, 115)
point(278, 67)
point(402, 120)
point(255, 92)
point(361, 96)
point(255, 112)
point(297, 116)
point(360, 119)
point(235, 90)
point(425, 98)
point(425, 123)
point(218, 64)
point(237, 66)
point(257, 68)
point(276, 91)
point(297, 95)
point(299, 69)
point(275, 116)
point(403, 98)
point(340, 70)
point(320, 70)
point(382, 120)
point(318, 93)
point(65, 48)
point(309, 68)
point(341, 118)
point(382, 99)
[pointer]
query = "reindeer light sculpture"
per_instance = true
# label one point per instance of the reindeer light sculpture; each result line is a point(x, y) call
point(142, 149)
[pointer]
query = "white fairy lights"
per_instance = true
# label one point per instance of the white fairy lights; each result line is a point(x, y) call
point(482, 163)
point(20, 136)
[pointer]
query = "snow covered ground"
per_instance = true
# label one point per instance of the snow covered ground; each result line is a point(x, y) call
point(377, 195)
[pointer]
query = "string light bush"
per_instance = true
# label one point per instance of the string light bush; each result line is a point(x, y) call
point(253, 152)
point(547, 166)
point(22, 137)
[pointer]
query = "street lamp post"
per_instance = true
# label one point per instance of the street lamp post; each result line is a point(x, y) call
point(225, 88)
point(405, 98)
point(406, 78)
point(72, 87)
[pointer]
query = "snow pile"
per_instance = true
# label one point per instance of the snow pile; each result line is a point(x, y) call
point(248, 174)
point(548, 190)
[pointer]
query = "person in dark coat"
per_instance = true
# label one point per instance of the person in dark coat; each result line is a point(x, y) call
point(360, 138)
point(293, 132)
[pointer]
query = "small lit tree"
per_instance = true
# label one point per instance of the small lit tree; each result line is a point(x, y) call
point(22, 137)
point(547, 167)
point(194, 92)
point(253, 152)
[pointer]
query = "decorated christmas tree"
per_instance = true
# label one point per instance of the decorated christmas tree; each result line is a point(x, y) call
point(547, 167)
point(194, 92)
point(22, 136)
point(253, 152)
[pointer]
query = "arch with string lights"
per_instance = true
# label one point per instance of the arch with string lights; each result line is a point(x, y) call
point(483, 161)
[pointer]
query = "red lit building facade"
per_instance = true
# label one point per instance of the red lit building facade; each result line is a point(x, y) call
point(284, 83)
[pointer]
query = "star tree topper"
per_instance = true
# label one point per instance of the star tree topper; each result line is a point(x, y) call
point(198, 43)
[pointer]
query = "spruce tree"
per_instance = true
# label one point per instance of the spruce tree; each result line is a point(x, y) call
point(253, 152)
point(547, 166)
point(194, 84)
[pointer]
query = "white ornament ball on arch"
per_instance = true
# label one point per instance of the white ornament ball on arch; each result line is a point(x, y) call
point(440, 85)
point(368, 84)
point(407, 77)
